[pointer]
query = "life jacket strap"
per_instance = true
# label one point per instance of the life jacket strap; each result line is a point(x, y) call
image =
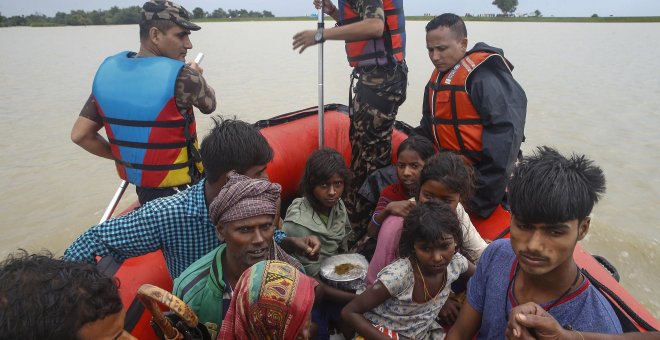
point(193, 154)
point(395, 11)
point(145, 123)
point(154, 167)
point(443, 87)
point(373, 55)
point(138, 145)
point(474, 121)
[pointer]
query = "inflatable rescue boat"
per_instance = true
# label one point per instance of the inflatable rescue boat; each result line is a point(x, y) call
point(293, 137)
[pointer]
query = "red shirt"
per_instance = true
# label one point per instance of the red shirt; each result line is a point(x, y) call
point(391, 193)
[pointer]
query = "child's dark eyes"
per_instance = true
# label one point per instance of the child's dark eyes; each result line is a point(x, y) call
point(414, 166)
point(337, 184)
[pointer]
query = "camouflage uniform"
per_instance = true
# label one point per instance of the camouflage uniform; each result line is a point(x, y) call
point(191, 88)
point(379, 92)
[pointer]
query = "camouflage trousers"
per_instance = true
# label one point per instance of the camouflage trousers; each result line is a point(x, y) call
point(378, 94)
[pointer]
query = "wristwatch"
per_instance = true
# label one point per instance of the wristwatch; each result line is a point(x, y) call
point(318, 37)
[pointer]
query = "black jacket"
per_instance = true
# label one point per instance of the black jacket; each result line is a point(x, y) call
point(502, 105)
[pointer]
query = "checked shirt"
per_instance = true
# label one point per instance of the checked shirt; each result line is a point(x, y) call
point(179, 225)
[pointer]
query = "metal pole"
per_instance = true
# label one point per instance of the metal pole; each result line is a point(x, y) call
point(115, 200)
point(321, 25)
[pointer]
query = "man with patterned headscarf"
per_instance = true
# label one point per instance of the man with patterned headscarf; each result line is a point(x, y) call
point(243, 213)
point(145, 102)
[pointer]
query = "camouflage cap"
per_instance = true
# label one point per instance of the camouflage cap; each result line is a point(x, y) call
point(167, 10)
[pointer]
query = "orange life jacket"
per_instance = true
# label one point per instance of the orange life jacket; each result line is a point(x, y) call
point(390, 48)
point(457, 124)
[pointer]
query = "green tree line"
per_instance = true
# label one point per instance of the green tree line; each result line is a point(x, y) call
point(220, 13)
point(115, 16)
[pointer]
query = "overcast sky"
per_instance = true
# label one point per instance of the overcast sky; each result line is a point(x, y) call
point(304, 7)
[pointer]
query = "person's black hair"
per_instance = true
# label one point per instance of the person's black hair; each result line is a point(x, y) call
point(321, 165)
point(451, 170)
point(429, 222)
point(46, 298)
point(161, 25)
point(451, 21)
point(233, 145)
point(421, 145)
point(547, 187)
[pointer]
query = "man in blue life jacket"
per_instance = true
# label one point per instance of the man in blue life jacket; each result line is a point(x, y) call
point(145, 102)
point(375, 36)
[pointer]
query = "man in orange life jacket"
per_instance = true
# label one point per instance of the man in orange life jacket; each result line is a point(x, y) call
point(473, 106)
point(145, 102)
point(375, 36)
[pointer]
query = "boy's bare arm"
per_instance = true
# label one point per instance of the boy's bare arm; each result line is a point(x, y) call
point(467, 324)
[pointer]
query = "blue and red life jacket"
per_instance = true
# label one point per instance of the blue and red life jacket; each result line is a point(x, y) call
point(388, 49)
point(153, 143)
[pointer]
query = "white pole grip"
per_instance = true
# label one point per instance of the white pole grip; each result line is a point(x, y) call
point(199, 58)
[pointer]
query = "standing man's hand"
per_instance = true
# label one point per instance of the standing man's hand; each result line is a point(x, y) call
point(195, 66)
point(303, 40)
point(328, 7)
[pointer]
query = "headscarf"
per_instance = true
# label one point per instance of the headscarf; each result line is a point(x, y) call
point(272, 300)
point(244, 197)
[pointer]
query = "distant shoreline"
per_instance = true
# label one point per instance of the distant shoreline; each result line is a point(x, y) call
point(652, 19)
point(487, 19)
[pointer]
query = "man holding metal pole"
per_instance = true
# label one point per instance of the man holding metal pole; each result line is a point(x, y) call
point(145, 102)
point(374, 32)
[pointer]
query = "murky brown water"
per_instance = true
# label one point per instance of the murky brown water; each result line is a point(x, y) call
point(592, 89)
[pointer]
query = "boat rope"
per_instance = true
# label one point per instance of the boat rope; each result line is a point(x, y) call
point(630, 313)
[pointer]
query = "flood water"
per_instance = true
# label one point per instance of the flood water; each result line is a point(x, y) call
point(592, 89)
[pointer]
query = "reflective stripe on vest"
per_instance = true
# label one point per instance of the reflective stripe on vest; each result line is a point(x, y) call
point(153, 144)
point(457, 123)
point(390, 48)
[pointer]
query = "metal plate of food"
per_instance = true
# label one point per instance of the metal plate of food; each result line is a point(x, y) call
point(345, 271)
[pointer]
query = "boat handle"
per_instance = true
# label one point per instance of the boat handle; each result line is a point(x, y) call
point(151, 296)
